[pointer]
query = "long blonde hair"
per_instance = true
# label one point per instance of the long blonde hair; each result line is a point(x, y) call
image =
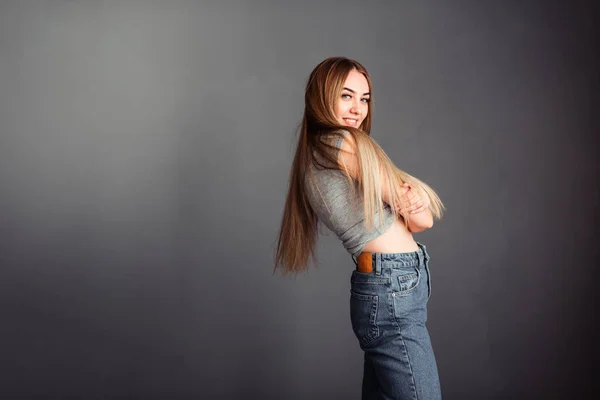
point(298, 232)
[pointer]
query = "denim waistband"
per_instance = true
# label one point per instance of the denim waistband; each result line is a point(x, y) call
point(399, 260)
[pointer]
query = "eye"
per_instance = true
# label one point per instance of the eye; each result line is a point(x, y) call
point(366, 100)
point(346, 96)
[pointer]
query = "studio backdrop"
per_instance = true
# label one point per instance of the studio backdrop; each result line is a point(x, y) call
point(144, 156)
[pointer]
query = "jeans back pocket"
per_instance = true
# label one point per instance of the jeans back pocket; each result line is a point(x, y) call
point(363, 315)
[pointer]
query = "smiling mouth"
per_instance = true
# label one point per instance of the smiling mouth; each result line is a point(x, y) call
point(350, 121)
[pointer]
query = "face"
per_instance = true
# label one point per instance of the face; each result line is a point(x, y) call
point(353, 105)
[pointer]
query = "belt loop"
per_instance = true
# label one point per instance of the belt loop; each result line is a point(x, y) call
point(424, 250)
point(420, 255)
point(377, 263)
point(426, 262)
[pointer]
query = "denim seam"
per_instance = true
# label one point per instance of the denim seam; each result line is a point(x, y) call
point(372, 281)
point(404, 349)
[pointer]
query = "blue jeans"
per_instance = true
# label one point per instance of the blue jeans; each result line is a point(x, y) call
point(388, 310)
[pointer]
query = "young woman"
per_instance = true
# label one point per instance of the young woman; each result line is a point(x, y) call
point(341, 177)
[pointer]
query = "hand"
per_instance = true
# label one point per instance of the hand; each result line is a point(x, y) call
point(412, 202)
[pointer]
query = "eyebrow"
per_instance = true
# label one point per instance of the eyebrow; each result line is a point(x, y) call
point(350, 90)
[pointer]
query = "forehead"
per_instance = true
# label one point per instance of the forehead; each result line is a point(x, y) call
point(357, 82)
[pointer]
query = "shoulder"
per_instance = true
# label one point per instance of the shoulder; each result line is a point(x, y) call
point(335, 135)
point(347, 142)
point(347, 157)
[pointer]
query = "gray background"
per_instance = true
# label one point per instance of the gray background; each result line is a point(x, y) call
point(144, 155)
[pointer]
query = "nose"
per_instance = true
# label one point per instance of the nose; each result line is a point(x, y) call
point(355, 109)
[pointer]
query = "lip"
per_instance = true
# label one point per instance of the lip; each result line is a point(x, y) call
point(354, 121)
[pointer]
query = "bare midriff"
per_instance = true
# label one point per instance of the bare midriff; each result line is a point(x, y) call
point(396, 239)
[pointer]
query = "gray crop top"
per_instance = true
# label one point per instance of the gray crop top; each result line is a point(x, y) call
point(340, 207)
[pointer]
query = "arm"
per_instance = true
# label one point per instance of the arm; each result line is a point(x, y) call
point(417, 210)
